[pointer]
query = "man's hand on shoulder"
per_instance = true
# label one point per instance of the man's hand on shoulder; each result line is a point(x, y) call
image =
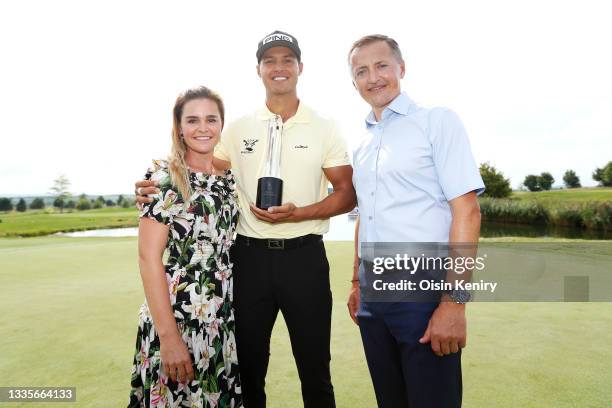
point(142, 189)
point(220, 164)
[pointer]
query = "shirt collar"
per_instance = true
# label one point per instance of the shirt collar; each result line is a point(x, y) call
point(302, 115)
point(401, 105)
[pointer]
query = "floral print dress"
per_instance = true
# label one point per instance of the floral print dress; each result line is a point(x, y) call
point(199, 276)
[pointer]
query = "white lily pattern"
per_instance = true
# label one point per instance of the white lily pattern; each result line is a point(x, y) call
point(199, 277)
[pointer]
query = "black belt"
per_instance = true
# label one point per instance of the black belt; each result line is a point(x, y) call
point(291, 243)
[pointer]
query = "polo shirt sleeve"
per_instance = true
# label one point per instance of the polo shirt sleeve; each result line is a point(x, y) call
point(336, 152)
point(222, 149)
point(452, 155)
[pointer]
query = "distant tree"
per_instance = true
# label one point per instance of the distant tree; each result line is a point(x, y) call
point(127, 203)
point(495, 183)
point(37, 204)
point(110, 203)
point(59, 203)
point(604, 175)
point(21, 205)
point(70, 204)
point(98, 202)
point(597, 173)
point(571, 180)
point(60, 190)
point(532, 183)
point(6, 204)
point(83, 203)
point(546, 180)
point(120, 200)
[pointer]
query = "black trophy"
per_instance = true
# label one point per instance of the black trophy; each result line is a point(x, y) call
point(270, 185)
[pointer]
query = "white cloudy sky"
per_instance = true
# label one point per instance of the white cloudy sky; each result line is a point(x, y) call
point(86, 87)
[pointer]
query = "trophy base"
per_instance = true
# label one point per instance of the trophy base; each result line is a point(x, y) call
point(269, 192)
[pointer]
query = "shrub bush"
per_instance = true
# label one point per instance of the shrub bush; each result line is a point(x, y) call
point(83, 204)
point(513, 211)
point(495, 183)
point(592, 215)
point(37, 204)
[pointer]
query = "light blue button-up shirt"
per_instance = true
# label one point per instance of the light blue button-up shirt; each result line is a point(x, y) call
point(406, 169)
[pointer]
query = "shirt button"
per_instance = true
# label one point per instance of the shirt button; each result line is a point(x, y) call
point(370, 218)
point(372, 193)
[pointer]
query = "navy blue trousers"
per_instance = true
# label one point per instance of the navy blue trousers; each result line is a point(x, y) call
point(405, 373)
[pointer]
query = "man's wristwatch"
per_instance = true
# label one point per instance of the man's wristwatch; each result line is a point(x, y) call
point(460, 296)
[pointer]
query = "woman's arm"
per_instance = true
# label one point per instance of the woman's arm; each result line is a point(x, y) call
point(152, 240)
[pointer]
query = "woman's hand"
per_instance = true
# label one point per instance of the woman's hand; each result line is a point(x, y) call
point(176, 359)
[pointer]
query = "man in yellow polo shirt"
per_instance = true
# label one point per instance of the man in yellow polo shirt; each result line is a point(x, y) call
point(311, 145)
point(279, 260)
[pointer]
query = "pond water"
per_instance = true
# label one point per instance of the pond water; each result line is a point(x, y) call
point(494, 230)
point(111, 232)
point(342, 228)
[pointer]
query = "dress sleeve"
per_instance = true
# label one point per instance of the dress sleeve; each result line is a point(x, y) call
point(165, 204)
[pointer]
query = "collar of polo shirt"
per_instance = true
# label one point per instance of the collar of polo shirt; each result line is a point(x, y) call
point(303, 114)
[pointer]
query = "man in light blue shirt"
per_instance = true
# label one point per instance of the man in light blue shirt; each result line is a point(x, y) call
point(416, 181)
point(408, 167)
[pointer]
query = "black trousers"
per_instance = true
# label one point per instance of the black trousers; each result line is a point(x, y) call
point(296, 282)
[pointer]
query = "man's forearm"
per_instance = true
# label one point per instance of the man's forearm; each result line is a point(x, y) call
point(465, 227)
point(463, 238)
point(341, 201)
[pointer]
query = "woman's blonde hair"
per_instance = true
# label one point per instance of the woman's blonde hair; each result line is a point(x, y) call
point(179, 172)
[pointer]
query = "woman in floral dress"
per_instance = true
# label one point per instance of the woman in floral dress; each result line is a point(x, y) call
point(185, 348)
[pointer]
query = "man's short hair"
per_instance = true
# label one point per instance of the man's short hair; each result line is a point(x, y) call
point(372, 38)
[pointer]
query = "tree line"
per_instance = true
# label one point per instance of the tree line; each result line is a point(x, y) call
point(498, 186)
point(80, 204)
point(63, 200)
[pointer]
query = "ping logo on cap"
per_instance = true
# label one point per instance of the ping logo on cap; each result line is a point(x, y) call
point(277, 37)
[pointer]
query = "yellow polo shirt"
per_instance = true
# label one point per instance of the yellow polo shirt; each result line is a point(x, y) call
point(309, 144)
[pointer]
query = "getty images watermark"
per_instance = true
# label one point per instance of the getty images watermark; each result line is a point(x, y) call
point(489, 271)
point(457, 265)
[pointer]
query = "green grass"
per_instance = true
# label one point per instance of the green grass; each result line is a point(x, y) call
point(70, 309)
point(37, 223)
point(573, 195)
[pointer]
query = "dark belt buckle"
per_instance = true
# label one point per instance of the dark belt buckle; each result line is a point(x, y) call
point(276, 244)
